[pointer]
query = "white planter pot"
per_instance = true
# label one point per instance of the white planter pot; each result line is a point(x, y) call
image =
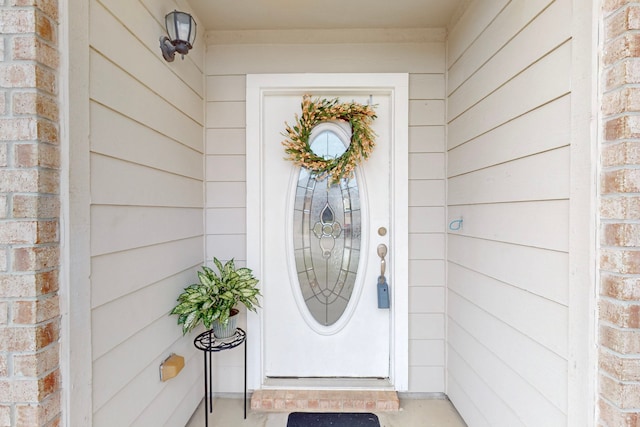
point(221, 331)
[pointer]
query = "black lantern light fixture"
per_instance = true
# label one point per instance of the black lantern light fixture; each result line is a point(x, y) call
point(181, 28)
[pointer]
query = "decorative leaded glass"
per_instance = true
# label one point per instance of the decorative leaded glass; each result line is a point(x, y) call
point(326, 236)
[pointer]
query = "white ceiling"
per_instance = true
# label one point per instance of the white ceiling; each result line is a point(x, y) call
point(323, 14)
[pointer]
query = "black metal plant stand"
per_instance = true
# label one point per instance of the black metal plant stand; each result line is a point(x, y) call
point(208, 344)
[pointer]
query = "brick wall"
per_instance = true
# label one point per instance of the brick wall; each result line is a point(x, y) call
point(619, 302)
point(30, 380)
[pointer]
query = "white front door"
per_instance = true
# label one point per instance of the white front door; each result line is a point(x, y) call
point(318, 261)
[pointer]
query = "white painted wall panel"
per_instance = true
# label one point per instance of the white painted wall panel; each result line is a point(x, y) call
point(146, 28)
point(226, 88)
point(225, 141)
point(545, 128)
point(470, 26)
point(512, 181)
point(120, 411)
point(426, 378)
point(118, 228)
point(531, 407)
point(426, 112)
point(230, 114)
point(114, 88)
point(522, 354)
point(535, 317)
point(515, 264)
point(426, 299)
point(108, 36)
point(500, 31)
point(113, 330)
point(508, 168)
point(114, 370)
point(426, 139)
point(542, 82)
point(426, 353)
point(226, 194)
point(426, 166)
point(142, 145)
point(491, 409)
point(226, 220)
point(465, 405)
point(419, 58)
point(426, 219)
point(549, 30)
point(426, 246)
point(426, 86)
point(424, 192)
point(117, 182)
point(537, 224)
point(161, 410)
point(427, 272)
point(120, 273)
point(226, 168)
point(147, 213)
point(226, 246)
point(426, 326)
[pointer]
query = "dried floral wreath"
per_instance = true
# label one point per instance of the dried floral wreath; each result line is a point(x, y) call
point(316, 111)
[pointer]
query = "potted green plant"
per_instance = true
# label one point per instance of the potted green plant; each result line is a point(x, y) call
point(213, 300)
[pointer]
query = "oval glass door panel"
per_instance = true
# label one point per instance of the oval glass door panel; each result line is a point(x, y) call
point(326, 221)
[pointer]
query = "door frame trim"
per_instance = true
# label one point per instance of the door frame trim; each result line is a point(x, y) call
point(395, 84)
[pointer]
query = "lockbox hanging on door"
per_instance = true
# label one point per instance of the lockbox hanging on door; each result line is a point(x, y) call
point(383, 286)
point(383, 293)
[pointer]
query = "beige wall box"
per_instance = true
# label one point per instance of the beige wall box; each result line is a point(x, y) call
point(171, 367)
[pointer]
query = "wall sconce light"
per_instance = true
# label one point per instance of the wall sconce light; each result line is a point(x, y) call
point(181, 28)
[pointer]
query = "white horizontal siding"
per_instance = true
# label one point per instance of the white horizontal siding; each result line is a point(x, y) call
point(227, 66)
point(118, 182)
point(470, 26)
point(426, 139)
point(502, 25)
point(519, 352)
point(118, 228)
point(119, 273)
point(523, 269)
point(147, 144)
point(427, 272)
point(511, 181)
point(542, 82)
point(424, 192)
point(527, 407)
point(241, 59)
point(509, 118)
point(536, 224)
point(473, 391)
point(535, 317)
point(518, 138)
point(112, 87)
point(549, 30)
point(141, 145)
point(426, 237)
point(120, 399)
point(140, 59)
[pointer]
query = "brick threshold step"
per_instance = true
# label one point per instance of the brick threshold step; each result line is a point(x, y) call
point(268, 400)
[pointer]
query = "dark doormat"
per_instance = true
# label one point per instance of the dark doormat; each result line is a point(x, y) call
point(332, 419)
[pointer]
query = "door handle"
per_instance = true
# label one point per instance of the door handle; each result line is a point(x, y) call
point(382, 253)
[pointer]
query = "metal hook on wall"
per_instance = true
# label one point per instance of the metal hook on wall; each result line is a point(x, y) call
point(455, 225)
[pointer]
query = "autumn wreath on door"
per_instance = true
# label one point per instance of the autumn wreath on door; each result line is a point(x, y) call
point(316, 111)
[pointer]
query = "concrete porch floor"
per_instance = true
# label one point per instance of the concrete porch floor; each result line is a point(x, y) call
point(413, 413)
